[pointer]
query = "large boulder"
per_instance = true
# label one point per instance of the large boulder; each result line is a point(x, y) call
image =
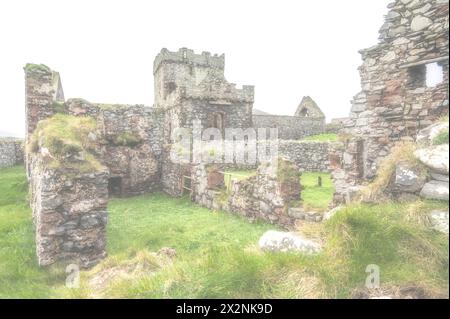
point(276, 241)
point(408, 179)
point(434, 157)
point(435, 190)
point(427, 135)
point(440, 177)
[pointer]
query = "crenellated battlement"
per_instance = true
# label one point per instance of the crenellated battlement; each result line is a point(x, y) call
point(188, 56)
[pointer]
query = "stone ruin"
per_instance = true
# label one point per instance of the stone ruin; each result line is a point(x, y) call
point(122, 150)
point(125, 150)
point(307, 120)
point(395, 102)
point(11, 151)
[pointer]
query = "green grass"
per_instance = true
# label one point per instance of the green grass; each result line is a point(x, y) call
point(37, 68)
point(217, 254)
point(64, 136)
point(407, 252)
point(20, 277)
point(326, 137)
point(313, 196)
point(441, 138)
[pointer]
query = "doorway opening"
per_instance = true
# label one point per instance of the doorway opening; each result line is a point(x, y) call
point(115, 187)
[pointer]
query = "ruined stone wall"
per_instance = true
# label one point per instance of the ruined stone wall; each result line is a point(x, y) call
point(336, 125)
point(265, 196)
point(309, 156)
point(43, 97)
point(42, 89)
point(290, 127)
point(69, 212)
point(11, 152)
point(130, 143)
point(132, 148)
point(395, 101)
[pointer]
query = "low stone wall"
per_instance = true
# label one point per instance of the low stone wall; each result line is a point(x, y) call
point(69, 212)
point(265, 196)
point(309, 156)
point(11, 152)
point(290, 127)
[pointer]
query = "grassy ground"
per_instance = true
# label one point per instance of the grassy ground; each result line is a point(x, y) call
point(313, 196)
point(19, 275)
point(217, 254)
point(326, 137)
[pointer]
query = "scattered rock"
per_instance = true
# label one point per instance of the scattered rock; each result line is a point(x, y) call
point(328, 215)
point(435, 190)
point(168, 252)
point(276, 241)
point(408, 179)
point(435, 157)
point(440, 177)
point(352, 193)
point(439, 220)
point(300, 213)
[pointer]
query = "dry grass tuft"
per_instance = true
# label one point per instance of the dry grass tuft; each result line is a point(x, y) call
point(402, 152)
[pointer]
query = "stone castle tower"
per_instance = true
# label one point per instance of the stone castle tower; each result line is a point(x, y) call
point(191, 86)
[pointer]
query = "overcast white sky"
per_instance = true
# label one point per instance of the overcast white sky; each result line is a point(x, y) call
point(104, 50)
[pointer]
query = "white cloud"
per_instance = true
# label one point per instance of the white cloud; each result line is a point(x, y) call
point(104, 50)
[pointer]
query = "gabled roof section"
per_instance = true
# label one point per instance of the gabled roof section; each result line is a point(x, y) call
point(308, 108)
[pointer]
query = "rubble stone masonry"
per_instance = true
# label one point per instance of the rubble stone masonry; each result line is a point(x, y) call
point(11, 151)
point(395, 101)
point(397, 97)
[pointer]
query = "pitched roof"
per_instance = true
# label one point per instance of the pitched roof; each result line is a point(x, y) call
point(308, 108)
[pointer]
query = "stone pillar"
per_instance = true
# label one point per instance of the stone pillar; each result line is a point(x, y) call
point(70, 215)
point(43, 90)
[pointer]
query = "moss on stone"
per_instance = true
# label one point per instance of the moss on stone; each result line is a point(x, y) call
point(127, 139)
point(287, 172)
point(111, 107)
point(68, 140)
point(31, 67)
point(59, 107)
point(441, 138)
point(222, 196)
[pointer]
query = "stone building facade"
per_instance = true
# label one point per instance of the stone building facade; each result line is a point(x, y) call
point(397, 98)
point(308, 120)
point(11, 151)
